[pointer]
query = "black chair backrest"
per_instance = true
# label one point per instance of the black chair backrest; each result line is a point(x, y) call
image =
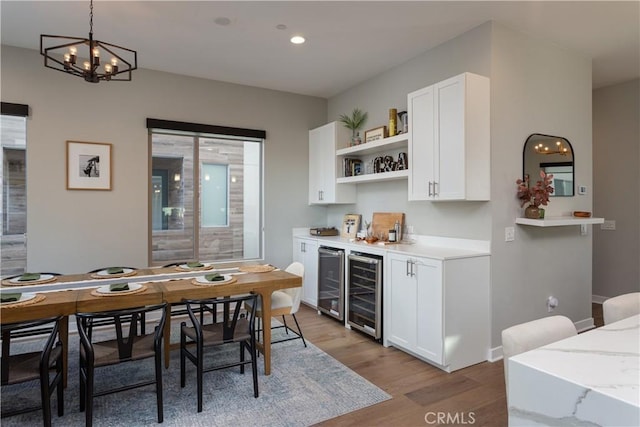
point(174, 264)
point(127, 317)
point(231, 313)
point(104, 268)
point(8, 329)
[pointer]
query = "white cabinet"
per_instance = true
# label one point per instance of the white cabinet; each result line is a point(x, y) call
point(449, 142)
point(323, 166)
point(438, 310)
point(306, 252)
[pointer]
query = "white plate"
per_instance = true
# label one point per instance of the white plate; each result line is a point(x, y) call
point(24, 297)
point(186, 267)
point(105, 289)
point(104, 272)
point(227, 279)
point(42, 277)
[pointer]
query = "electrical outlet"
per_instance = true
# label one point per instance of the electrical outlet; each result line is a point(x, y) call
point(584, 230)
point(552, 303)
point(509, 234)
point(582, 190)
point(608, 225)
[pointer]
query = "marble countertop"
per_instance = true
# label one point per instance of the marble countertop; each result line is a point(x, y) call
point(590, 379)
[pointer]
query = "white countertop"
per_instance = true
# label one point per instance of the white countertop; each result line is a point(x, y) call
point(589, 379)
point(424, 246)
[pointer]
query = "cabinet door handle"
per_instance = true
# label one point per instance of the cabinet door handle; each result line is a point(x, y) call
point(408, 273)
point(435, 191)
point(430, 183)
point(412, 264)
point(302, 247)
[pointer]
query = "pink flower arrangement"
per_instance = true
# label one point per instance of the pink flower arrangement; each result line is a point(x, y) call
point(538, 194)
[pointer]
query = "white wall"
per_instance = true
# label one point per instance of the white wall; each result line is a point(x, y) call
point(536, 87)
point(468, 52)
point(74, 231)
point(616, 186)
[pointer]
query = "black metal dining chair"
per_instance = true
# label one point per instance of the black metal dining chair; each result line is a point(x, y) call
point(35, 365)
point(233, 328)
point(127, 345)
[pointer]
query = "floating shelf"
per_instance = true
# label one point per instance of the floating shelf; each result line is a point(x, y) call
point(373, 177)
point(386, 144)
point(558, 221)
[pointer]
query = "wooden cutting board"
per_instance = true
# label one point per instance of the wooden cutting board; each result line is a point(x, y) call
point(382, 222)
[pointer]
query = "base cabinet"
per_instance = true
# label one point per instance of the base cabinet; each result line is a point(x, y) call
point(305, 251)
point(438, 310)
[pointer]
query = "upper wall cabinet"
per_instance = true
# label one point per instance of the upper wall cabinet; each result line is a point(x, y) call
point(449, 140)
point(323, 189)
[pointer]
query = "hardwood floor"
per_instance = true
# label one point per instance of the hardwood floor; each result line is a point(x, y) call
point(474, 395)
point(420, 392)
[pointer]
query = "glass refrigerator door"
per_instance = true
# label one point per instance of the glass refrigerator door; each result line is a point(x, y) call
point(330, 282)
point(364, 295)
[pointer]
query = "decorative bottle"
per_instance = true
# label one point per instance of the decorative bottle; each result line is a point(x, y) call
point(393, 121)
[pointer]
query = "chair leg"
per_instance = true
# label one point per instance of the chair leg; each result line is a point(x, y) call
point(254, 368)
point(158, 360)
point(199, 372)
point(183, 348)
point(242, 357)
point(299, 330)
point(286, 328)
point(45, 396)
point(89, 394)
point(60, 386)
point(83, 385)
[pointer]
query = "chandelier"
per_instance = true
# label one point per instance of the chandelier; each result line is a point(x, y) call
point(558, 149)
point(63, 53)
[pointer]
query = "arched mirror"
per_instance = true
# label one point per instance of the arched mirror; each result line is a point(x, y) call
point(553, 155)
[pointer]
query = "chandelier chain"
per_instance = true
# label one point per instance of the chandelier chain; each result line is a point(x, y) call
point(91, 17)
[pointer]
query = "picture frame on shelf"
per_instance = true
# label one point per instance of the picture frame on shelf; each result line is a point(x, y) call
point(375, 134)
point(350, 226)
point(89, 166)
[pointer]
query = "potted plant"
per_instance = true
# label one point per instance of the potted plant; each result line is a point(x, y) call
point(535, 196)
point(354, 122)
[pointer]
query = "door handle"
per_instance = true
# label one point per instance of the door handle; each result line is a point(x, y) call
point(430, 183)
point(408, 273)
point(435, 192)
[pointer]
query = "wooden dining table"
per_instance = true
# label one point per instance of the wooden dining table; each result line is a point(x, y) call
point(70, 294)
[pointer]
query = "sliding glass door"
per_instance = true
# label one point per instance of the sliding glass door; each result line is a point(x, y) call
point(206, 198)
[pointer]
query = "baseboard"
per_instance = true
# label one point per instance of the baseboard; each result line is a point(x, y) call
point(598, 299)
point(585, 325)
point(495, 354)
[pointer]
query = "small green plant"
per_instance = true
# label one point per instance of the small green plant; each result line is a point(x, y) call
point(355, 121)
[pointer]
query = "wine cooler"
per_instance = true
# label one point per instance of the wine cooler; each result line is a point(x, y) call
point(331, 282)
point(364, 293)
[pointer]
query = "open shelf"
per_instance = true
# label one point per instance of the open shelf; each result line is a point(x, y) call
point(386, 144)
point(374, 177)
point(558, 221)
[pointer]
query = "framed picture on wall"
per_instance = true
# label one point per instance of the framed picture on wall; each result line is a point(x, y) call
point(350, 226)
point(88, 166)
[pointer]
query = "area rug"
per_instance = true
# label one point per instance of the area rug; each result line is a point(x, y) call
point(306, 386)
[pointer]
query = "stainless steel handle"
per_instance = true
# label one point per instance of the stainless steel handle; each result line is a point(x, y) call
point(321, 195)
point(408, 273)
point(435, 191)
point(413, 263)
point(430, 183)
point(364, 259)
point(303, 247)
point(330, 252)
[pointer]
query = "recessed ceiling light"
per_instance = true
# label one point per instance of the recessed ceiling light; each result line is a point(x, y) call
point(297, 40)
point(222, 20)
